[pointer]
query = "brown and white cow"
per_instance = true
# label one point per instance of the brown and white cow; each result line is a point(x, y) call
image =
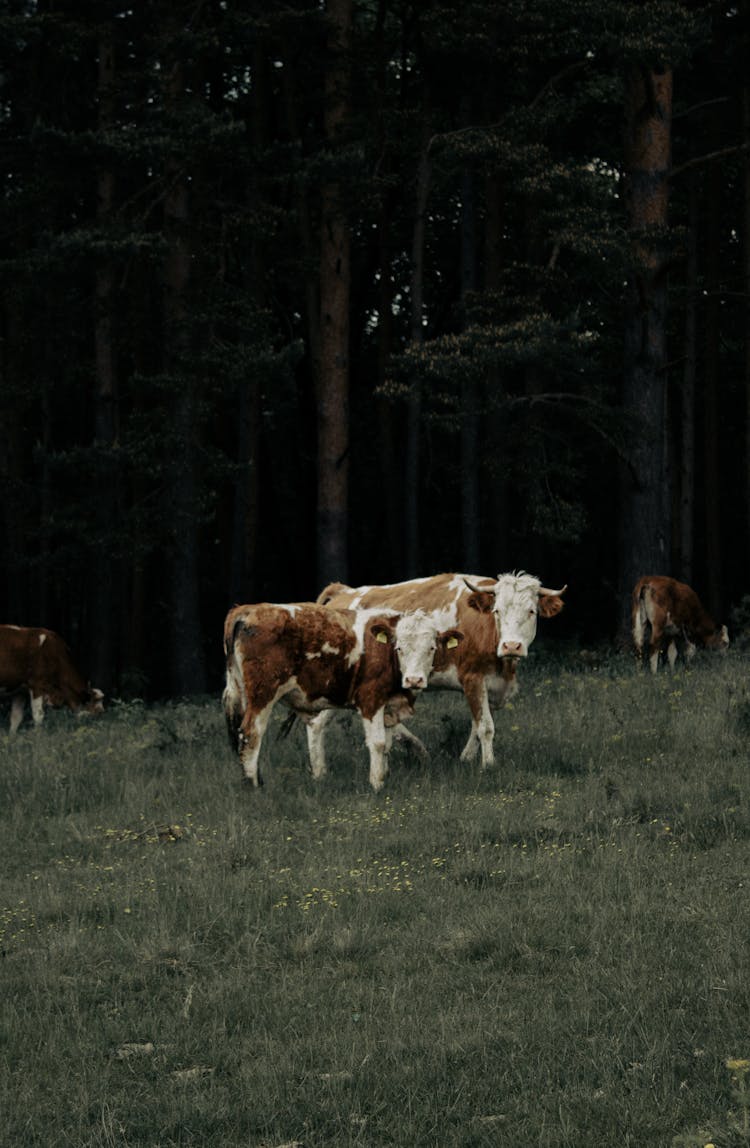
point(37, 663)
point(315, 659)
point(498, 619)
point(672, 611)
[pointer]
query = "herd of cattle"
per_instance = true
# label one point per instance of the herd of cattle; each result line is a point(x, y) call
point(372, 649)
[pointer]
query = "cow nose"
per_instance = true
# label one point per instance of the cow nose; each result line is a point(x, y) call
point(511, 648)
point(415, 683)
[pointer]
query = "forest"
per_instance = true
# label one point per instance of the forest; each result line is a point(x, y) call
point(365, 290)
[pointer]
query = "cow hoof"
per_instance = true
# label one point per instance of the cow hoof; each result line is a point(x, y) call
point(252, 782)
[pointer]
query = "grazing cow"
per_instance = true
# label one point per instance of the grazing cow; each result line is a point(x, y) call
point(672, 610)
point(497, 618)
point(37, 662)
point(315, 659)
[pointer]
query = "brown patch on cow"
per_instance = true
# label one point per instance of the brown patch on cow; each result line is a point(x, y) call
point(550, 605)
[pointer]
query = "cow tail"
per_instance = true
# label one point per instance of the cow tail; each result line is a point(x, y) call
point(230, 636)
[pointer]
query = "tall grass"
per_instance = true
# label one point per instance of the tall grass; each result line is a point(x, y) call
point(553, 952)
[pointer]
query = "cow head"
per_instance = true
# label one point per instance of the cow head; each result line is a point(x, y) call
point(94, 703)
point(516, 601)
point(719, 640)
point(417, 639)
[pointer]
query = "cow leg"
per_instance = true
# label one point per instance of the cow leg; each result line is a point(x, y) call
point(482, 725)
point(654, 647)
point(401, 733)
point(689, 650)
point(16, 712)
point(37, 710)
point(316, 728)
point(378, 740)
point(249, 742)
point(639, 630)
point(672, 653)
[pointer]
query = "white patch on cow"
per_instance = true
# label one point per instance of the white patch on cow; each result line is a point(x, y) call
point(42, 639)
point(378, 740)
point(516, 610)
point(326, 648)
point(16, 712)
point(416, 643)
point(316, 728)
point(481, 735)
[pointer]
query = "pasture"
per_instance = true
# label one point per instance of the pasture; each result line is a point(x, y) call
point(553, 952)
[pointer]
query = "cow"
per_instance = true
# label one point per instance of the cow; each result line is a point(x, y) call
point(36, 662)
point(672, 611)
point(316, 659)
point(498, 619)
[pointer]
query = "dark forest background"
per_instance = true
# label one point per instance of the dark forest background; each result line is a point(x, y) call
point(362, 290)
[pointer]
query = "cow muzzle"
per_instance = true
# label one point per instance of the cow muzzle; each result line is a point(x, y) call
point(511, 650)
point(416, 682)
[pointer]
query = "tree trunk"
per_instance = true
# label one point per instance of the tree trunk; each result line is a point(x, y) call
point(687, 398)
point(495, 424)
point(745, 257)
point(711, 594)
point(335, 283)
point(243, 581)
point(469, 387)
point(414, 402)
point(644, 512)
point(188, 671)
point(390, 484)
point(13, 588)
point(101, 659)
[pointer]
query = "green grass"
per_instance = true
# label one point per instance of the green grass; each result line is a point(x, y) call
point(551, 953)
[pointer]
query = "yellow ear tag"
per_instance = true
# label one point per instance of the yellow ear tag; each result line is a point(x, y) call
point(381, 637)
point(451, 643)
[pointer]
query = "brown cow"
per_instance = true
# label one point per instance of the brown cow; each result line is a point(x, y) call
point(672, 610)
point(37, 662)
point(314, 660)
point(497, 618)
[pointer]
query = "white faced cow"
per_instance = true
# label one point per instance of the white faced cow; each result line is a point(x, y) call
point(315, 660)
point(36, 663)
point(498, 620)
point(672, 612)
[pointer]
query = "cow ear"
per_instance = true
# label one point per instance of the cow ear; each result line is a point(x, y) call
point(482, 600)
point(381, 633)
point(451, 638)
point(549, 605)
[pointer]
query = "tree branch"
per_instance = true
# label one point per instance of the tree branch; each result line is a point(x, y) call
point(709, 157)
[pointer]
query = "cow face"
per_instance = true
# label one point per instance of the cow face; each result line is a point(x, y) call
point(719, 640)
point(516, 601)
point(94, 703)
point(417, 640)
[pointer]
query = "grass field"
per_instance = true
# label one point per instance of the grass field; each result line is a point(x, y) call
point(554, 952)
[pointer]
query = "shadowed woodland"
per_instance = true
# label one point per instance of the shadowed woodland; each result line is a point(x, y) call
point(361, 290)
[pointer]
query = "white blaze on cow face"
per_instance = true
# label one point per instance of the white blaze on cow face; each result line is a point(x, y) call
point(417, 638)
point(516, 610)
point(416, 643)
